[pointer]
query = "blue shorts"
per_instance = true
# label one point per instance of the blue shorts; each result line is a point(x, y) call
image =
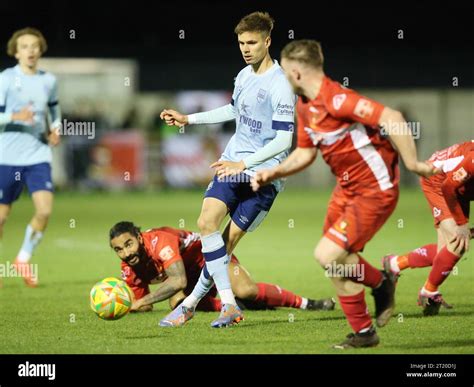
point(247, 208)
point(36, 177)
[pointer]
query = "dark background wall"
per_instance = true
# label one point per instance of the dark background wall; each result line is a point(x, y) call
point(360, 40)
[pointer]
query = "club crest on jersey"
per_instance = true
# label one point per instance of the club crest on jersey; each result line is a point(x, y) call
point(261, 95)
point(338, 100)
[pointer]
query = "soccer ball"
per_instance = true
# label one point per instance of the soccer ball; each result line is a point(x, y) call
point(111, 298)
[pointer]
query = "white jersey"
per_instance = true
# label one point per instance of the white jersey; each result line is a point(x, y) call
point(264, 103)
point(21, 144)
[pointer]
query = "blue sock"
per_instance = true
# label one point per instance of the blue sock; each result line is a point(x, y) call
point(201, 288)
point(217, 263)
point(32, 239)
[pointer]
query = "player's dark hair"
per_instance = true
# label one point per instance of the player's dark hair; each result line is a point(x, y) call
point(123, 227)
point(305, 51)
point(12, 42)
point(255, 22)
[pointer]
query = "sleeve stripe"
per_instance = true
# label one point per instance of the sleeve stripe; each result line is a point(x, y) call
point(2, 109)
point(283, 125)
point(54, 103)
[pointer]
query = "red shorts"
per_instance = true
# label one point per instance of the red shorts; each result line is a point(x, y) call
point(439, 208)
point(353, 219)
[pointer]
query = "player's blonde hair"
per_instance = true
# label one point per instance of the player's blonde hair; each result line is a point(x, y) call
point(12, 42)
point(305, 51)
point(255, 22)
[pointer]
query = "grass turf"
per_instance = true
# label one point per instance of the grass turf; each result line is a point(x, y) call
point(56, 318)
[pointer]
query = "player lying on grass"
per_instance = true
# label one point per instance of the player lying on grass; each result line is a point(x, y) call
point(173, 258)
point(449, 194)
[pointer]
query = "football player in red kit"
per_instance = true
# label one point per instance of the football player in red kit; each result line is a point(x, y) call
point(354, 135)
point(173, 258)
point(449, 194)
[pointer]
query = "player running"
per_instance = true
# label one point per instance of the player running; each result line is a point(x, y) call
point(449, 194)
point(345, 127)
point(263, 109)
point(27, 95)
point(173, 258)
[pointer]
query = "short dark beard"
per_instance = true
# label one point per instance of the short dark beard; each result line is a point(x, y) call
point(144, 269)
point(141, 254)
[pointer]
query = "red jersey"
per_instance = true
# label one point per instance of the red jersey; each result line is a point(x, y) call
point(164, 246)
point(344, 126)
point(456, 179)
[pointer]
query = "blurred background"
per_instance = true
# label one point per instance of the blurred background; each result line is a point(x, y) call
point(119, 64)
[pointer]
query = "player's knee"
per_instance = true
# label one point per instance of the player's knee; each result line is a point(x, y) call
point(456, 250)
point(3, 220)
point(206, 225)
point(246, 291)
point(322, 258)
point(43, 213)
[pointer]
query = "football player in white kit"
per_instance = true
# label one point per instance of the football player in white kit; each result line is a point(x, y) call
point(27, 96)
point(263, 108)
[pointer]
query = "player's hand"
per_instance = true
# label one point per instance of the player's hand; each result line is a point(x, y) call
point(136, 304)
point(26, 115)
point(172, 117)
point(138, 307)
point(54, 137)
point(424, 169)
point(228, 168)
point(463, 234)
point(262, 178)
point(459, 243)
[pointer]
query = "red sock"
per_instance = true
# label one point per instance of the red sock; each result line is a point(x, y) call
point(209, 304)
point(443, 263)
point(273, 295)
point(370, 276)
point(356, 311)
point(420, 257)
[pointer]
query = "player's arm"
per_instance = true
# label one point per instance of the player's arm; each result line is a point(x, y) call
point(298, 160)
point(138, 287)
point(277, 145)
point(358, 108)
point(139, 291)
point(175, 282)
point(221, 114)
point(393, 123)
point(54, 115)
point(283, 122)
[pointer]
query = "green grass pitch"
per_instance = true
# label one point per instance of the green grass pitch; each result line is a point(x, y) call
point(56, 318)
